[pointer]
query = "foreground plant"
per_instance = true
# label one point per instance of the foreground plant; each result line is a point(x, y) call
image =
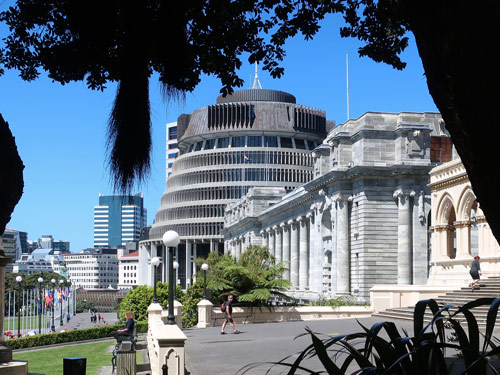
point(424, 353)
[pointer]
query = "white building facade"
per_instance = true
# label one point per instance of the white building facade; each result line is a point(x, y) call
point(93, 268)
point(128, 270)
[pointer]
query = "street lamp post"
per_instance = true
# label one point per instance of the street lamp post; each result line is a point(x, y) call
point(19, 279)
point(155, 262)
point(61, 322)
point(53, 326)
point(40, 295)
point(204, 267)
point(176, 266)
point(69, 300)
point(170, 240)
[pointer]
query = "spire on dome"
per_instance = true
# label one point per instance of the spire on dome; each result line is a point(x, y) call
point(256, 81)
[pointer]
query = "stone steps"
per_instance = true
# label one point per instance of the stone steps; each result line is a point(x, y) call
point(489, 288)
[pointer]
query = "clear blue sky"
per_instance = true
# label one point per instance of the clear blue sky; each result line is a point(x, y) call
point(60, 130)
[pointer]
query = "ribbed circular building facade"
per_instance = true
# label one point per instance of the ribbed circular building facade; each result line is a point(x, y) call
point(251, 138)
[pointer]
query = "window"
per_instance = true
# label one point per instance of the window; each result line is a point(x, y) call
point(286, 142)
point(169, 165)
point(209, 144)
point(223, 142)
point(172, 133)
point(254, 141)
point(198, 145)
point(172, 146)
point(299, 143)
point(440, 149)
point(270, 141)
point(172, 155)
point(238, 142)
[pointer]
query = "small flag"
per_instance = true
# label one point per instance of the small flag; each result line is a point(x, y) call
point(247, 159)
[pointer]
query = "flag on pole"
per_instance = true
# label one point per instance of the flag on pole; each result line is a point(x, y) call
point(247, 159)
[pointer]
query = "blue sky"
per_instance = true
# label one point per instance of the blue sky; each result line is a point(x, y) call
point(60, 130)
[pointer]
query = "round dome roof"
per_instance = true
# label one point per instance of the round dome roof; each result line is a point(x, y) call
point(257, 95)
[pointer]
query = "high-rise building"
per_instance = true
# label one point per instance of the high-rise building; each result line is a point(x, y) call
point(172, 149)
point(118, 219)
point(14, 242)
point(46, 241)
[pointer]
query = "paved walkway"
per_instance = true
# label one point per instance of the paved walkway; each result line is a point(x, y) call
point(209, 352)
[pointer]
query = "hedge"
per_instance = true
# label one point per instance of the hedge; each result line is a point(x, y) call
point(70, 336)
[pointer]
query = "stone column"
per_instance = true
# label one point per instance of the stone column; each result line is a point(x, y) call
point(294, 253)
point(270, 234)
point(279, 245)
point(303, 254)
point(482, 236)
point(404, 237)
point(463, 238)
point(265, 240)
point(286, 249)
point(204, 314)
point(189, 267)
point(314, 245)
point(343, 256)
point(239, 249)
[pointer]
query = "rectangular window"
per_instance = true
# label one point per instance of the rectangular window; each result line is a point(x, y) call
point(172, 155)
point(238, 142)
point(286, 142)
point(171, 146)
point(254, 141)
point(440, 149)
point(270, 141)
point(209, 144)
point(172, 133)
point(299, 143)
point(198, 145)
point(223, 142)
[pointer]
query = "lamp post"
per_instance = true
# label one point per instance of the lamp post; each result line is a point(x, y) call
point(204, 267)
point(53, 326)
point(155, 262)
point(19, 279)
point(176, 266)
point(69, 300)
point(170, 240)
point(61, 322)
point(40, 295)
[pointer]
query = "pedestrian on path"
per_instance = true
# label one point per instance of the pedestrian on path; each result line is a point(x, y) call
point(475, 272)
point(228, 314)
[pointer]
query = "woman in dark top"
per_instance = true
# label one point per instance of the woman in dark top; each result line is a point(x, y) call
point(475, 272)
point(127, 330)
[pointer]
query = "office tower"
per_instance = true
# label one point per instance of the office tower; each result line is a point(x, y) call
point(118, 219)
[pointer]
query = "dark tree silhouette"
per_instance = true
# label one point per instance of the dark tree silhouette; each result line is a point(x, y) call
point(126, 41)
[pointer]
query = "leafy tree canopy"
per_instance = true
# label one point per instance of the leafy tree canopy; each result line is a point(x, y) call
point(254, 278)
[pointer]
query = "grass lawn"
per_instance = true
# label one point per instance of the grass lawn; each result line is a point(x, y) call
point(50, 361)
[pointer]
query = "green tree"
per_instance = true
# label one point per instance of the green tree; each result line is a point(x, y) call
point(138, 300)
point(254, 278)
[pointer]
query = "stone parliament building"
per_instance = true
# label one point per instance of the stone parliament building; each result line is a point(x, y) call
point(346, 206)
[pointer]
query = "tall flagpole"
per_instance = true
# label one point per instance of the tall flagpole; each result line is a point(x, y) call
point(347, 81)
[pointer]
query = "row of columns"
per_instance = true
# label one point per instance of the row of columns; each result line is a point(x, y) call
point(289, 242)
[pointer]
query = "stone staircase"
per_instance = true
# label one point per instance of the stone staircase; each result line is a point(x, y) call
point(488, 288)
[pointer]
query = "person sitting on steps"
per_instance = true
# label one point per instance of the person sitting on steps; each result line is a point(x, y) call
point(127, 330)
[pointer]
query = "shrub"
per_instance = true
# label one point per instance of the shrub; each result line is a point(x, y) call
point(340, 301)
point(190, 304)
point(70, 336)
point(81, 306)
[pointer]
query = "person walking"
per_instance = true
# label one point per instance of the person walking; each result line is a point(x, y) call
point(475, 272)
point(228, 314)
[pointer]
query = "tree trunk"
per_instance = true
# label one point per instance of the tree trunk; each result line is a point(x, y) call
point(11, 175)
point(458, 42)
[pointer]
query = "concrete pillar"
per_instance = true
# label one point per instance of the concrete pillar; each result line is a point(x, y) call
point(279, 244)
point(463, 238)
point(265, 239)
point(294, 253)
point(204, 314)
point(286, 249)
point(239, 249)
point(404, 237)
point(342, 253)
point(303, 254)
point(189, 267)
point(271, 236)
